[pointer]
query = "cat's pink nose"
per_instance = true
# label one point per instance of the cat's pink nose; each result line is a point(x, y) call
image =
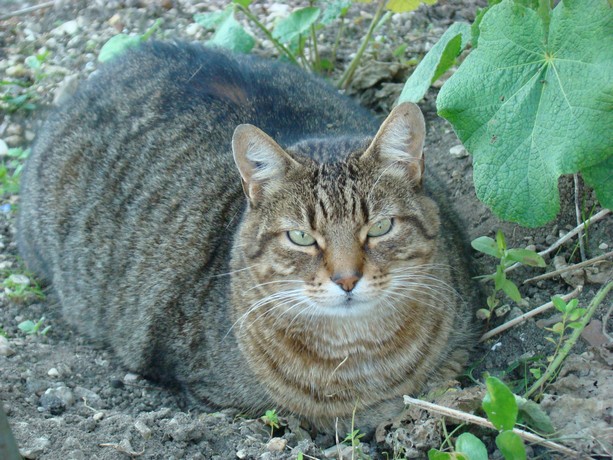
point(347, 282)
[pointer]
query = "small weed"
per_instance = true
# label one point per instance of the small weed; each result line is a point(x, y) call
point(31, 328)
point(501, 408)
point(10, 171)
point(20, 287)
point(573, 320)
point(16, 96)
point(353, 439)
point(271, 419)
point(498, 248)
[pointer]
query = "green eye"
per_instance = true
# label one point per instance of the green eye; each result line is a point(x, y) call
point(380, 228)
point(300, 238)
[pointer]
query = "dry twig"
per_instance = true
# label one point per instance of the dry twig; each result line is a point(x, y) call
point(525, 316)
point(26, 10)
point(570, 267)
point(595, 218)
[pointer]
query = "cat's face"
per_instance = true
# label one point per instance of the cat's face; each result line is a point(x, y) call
point(342, 238)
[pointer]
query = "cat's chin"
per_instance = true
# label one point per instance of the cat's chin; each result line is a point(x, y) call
point(347, 306)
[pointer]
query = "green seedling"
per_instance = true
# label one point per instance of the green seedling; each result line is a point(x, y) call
point(31, 328)
point(271, 419)
point(498, 248)
point(502, 410)
point(20, 287)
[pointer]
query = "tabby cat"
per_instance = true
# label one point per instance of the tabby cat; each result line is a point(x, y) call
point(303, 264)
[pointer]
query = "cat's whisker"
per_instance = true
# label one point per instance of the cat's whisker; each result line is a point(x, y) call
point(261, 303)
point(274, 282)
point(235, 271)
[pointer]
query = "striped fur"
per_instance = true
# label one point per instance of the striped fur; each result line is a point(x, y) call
point(160, 215)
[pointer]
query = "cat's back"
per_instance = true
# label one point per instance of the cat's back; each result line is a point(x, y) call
point(153, 128)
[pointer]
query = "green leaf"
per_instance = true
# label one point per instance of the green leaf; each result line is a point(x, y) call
point(558, 328)
point(511, 290)
point(575, 325)
point(526, 257)
point(243, 3)
point(511, 446)
point(500, 241)
point(531, 105)
point(499, 404)
point(402, 6)
point(486, 245)
point(577, 313)
point(559, 303)
point(438, 60)
point(434, 454)
point(28, 326)
point(600, 178)
point(211, 20)
point(295, 24)
point(472, 446)
point(334, 10)
point(532, 413)
point(229, 33)
point(116, 45)
point(474, 29)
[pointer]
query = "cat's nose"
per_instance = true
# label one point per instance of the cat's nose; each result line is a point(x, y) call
point(346, 281)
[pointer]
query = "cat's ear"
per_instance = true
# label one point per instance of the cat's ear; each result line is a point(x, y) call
point(399, 143)
point(262, 163)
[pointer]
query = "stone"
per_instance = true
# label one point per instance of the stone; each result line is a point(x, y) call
point(35, 449)
point(458, 151)
point(68, 28)
point(276, 445)
point(5, 349)
point(4, 149)
point(56, 400)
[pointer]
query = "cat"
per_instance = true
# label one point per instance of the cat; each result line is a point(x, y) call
point(307, 264)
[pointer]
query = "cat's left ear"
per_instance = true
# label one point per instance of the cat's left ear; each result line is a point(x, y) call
point(262, 163)
point(399, 143)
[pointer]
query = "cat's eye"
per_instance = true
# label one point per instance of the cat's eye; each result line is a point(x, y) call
point(380, 228)
point(300, 238)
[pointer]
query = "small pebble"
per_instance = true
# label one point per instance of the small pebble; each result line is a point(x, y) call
point(241, 454)
point(458, 151)
point(56, 400)
point(131, 378)
point(4, 149)
point(98, 416)
point(603, 246)
point(13, 141)
point(276, 445)
point(53, 372)
point(5, 349)
point(68, 28)
point(143, 429)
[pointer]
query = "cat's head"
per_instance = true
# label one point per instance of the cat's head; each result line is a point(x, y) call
point(339, 237)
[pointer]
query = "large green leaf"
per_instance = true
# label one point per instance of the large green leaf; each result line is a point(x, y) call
point(499, 404)
point(533, 102)
point(438, 60)
point(295, 24)
point(229, 33)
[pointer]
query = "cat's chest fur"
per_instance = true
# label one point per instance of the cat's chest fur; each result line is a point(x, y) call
point(302, 264)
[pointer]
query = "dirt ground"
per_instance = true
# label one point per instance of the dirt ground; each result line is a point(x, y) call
point(66, 399)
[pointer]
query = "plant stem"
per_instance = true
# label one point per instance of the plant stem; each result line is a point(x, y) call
point(315, 57)
point(347, 76)
point(565, 350)
point(578, 214)
point(282, 49)
point(337, 40)
point(470, 418)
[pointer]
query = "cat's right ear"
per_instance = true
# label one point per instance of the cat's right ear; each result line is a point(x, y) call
point(262, 163)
